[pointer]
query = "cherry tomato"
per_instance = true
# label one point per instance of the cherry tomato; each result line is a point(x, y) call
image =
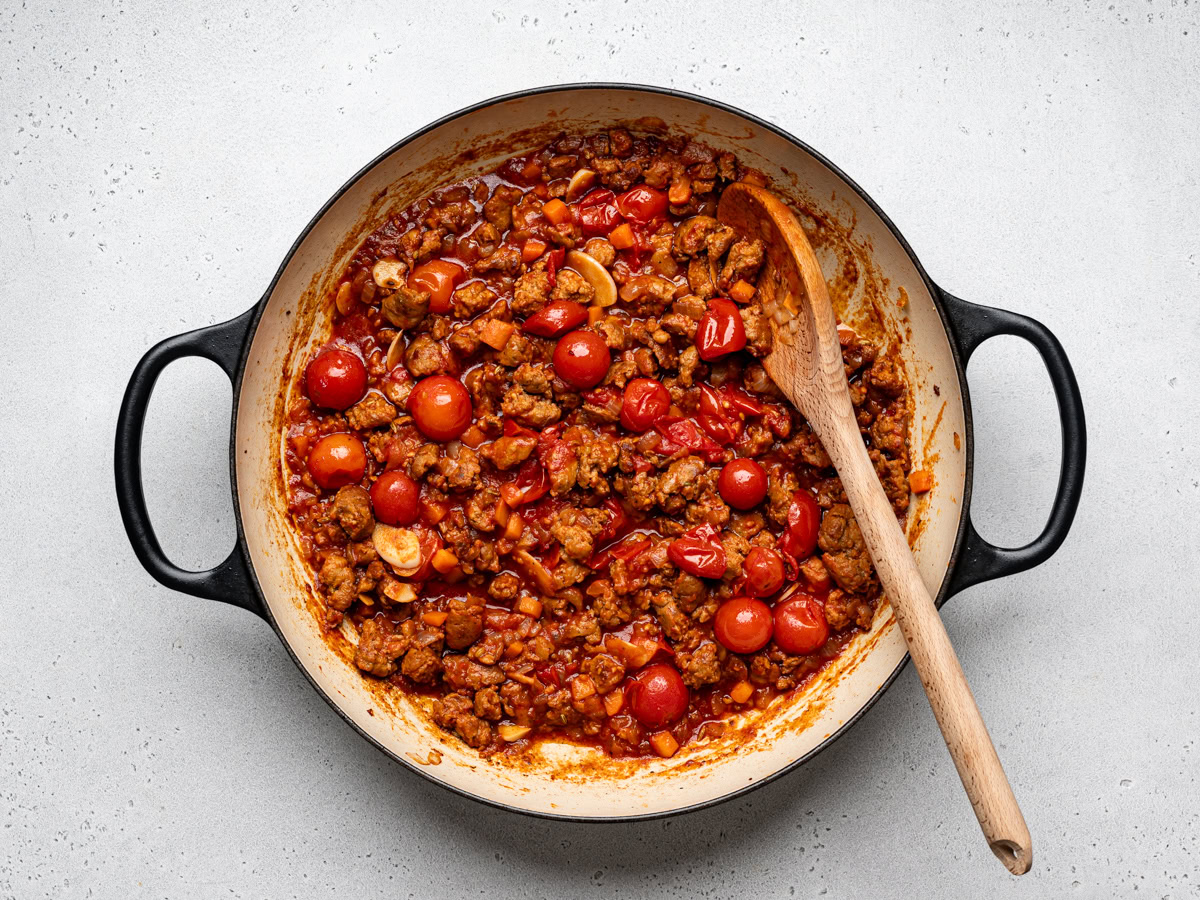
point(764, 571)
point(441, 407)
point(646, 401)
point(396, 498)
point(659, 696)
point(531, 484)
point(581, 359)
point(721, 330)
point(439, 277)
point(556, 318)
point(803, 523)
point(742, 483)
point(336, 379)
point(598, 214)
point(800, 625)
point(642, 203)
point(743, 624)
point(337, 460)
point(699, 552)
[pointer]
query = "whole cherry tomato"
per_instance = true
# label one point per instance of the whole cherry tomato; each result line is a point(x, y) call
point(337, 460)
point(721, 330)
point(803, 522)
point(742, 483)
point(642, 203)
point(646, 401)
point(441, 407)
point(395, 498)
point(439, 277)
point(764, 571)
point(743, 624)
point(598, 214)
point(659, 695)
point(800, 625)
point(699, 552)
point(556, 318)
point(581, 359)
point(336, 379)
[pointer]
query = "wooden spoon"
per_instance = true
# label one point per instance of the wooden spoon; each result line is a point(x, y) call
point(806, 364)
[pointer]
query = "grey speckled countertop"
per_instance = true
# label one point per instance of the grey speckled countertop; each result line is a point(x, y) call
point(156, 161)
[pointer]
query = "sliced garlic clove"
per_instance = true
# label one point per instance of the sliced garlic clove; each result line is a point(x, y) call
point(512, 733)
point(388, 273)
point(395, 354)
point(344, 299)
point(399, 547)
point(594, 274)
point(580, 182)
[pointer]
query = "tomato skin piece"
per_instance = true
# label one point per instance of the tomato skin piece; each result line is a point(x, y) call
point(721, 330)
point(642, 203)
point(556, 319)
point(581, 359)
point(742, 483)
point(764, 571)
point(659, 695)
point(597, 213)
point(395, 498)
point(803, 524)
point(800, 625)
point(337, 460)
point(335, 379)
point(645, 402)
point(699, 552)
point(441, 407)
point(440, 277)
point(743, 624)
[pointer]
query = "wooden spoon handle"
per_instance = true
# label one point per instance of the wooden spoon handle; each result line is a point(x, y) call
point(953, 704)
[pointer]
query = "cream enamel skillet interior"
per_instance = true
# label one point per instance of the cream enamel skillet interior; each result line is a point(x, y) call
point(876, 282)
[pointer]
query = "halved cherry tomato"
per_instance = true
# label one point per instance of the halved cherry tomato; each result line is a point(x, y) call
point(699, 552)
point(430, 542)
point(628, 549)
point(721, 330)
point(645, 402)
point(335, 379)
point(531, 484)
point(642, 203)
point(617, 524)
point(764, 571)
point(337, 460)
point(440, 277)
point(581, 359)
point(396, 498)
point(597, 213)
point(743, 624)
point(556, 318)
point(742, 483)
point(512, 429)
point(799, 540)
point(800, 625)
point(441, 407)
point(659, 695)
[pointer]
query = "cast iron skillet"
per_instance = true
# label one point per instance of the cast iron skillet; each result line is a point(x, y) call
point(972, 561)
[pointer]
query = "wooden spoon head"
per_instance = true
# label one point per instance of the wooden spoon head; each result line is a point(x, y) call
point(806, 359)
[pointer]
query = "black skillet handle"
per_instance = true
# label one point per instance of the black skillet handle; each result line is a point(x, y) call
point(230, 581)
point(971, 325)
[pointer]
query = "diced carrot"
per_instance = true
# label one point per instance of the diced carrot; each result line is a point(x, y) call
point(503, 511)
point(556, 211)
point(435, 618)
point(621, 237)
point(582, 687)
point(741, 291)
point(541, 190)
point(664, 744)
point(444, 560)
point(529, 606)
point(473, 436)
point(595, 314)
point(532, 249)
point(921, 481)
point(515, 526)
point(514, 649)
point(495, 333)
point(433, 511)
point(741, 692)
point(531, 170)
point(613, 701)
point(680, 192)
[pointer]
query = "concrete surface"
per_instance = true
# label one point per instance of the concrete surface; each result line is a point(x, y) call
point(156, 161)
